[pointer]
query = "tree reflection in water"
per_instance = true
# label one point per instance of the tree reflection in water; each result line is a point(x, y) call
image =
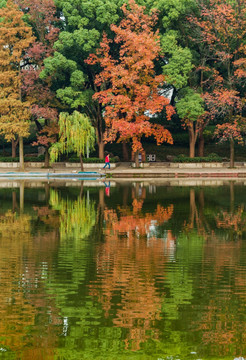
point(221, 322)
point(25, 257)
point(32, 310)
point(77, 276)
point(128, 265)
point(76, 216)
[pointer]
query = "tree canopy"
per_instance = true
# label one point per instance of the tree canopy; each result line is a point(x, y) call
point(15, 38)
point(133, 89)
point(76, 135)
point(127, 65)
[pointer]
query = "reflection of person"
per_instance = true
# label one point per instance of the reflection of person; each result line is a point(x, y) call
point(107, 163)
point(107, 188)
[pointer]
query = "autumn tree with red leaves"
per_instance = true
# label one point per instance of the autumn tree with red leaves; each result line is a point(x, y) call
point(131, 89)
point(15, 38)
point(42, 17)
point(222, 30)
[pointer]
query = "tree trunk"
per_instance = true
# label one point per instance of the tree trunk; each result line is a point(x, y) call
point(125, 151)
point(81, 162)
point(22, 192)
point(21, 153)
point(47, 192)
point(201, 144)
point(137, 159)
point(81, 189)
point(101, 199)
point(192, 207)
point(232, 196)
point(99, 134)
point(201, 200)
point(192, 142)
point(101, 149)
point(14, 201)
point(125, 196)
point(46, 158)
point(14, 146)
point(231, 153)
point(100, 215)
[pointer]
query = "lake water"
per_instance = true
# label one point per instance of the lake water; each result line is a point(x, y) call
point(131, 271)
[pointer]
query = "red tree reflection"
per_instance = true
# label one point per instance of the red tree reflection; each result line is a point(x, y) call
point(222, 325)
point(128, 264)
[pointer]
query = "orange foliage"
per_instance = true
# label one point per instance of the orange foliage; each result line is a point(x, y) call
point(47, 215)
point(15, 38)
point(127, 264)
point(221, 328)
point(133, 92)
point(235, 221)
point(21, 279)
point(222, 28)
point(135, 222)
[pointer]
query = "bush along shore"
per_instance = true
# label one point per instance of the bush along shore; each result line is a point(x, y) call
point(185, 159)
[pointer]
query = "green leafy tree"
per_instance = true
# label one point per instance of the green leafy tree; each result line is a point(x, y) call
point(76, 135)
point(190, 108)
point(181, 58)
point(71, 77)
point(177, 59)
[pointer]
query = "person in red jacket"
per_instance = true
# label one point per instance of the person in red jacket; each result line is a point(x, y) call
point(107, 188)
point(107, 162)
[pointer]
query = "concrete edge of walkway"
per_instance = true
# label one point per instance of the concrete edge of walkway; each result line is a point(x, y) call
point(125, 171)
point(140, 175)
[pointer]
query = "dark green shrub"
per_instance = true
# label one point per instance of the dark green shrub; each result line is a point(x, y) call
point(41, 159)
point(26, 159)
point(34, 159)
point(185, 159)
point(92, 160)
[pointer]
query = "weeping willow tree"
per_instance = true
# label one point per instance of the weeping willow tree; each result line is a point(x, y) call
point(76, 135)
point(77, 217)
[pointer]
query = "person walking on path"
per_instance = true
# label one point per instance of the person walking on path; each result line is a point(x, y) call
point(107, 162)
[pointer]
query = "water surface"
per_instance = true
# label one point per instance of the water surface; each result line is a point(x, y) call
point(139, 272)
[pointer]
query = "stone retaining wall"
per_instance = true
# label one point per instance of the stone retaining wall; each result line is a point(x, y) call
point(204, 165)
point(89, 166)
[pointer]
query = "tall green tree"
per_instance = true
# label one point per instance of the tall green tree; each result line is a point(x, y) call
point(190, 109)
point(177, 60)
point(72, 78)
point(178, 65)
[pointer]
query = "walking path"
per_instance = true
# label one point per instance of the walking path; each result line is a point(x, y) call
point(164, 170)
point(154, 171)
